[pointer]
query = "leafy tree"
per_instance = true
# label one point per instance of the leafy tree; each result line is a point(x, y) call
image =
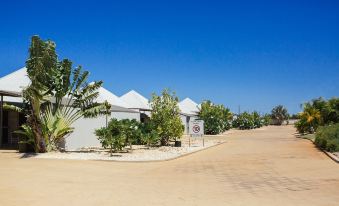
point(165, 116)
point(318, 112)
point(57, 96)
point(279, 114)
point(217, 118)
point(329, 110)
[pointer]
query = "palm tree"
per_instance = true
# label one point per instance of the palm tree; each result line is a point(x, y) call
point(279, 114)
point(311, 118)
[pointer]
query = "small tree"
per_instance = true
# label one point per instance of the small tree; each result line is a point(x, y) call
point(279, 114)
point(217, 118)
point(165, 116)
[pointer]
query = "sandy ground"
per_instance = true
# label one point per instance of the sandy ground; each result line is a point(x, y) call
point(262, 167)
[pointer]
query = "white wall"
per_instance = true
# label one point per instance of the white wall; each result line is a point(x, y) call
point(185, 123)
point(83, 135)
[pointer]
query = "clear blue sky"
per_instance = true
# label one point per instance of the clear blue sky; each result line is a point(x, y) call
point(255, 54)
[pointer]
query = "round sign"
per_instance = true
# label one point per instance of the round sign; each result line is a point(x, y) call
point(196, 129)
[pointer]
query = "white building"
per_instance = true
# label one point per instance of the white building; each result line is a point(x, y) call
point(83, 135)
point(188, 111)
point(137, 102)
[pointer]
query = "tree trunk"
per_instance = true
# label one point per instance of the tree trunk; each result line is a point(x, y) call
point(40, 145)
point(164, 141)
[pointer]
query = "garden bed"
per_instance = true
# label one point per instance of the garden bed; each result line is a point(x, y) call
point(333, 155)
point(138, 152)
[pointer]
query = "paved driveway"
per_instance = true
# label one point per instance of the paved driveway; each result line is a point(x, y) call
point(267, 166)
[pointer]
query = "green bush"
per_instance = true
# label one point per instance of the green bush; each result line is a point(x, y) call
point(266, 119)
point(327, 138)
point(251, 120)
point(244, 121)
point(149, 134)
point(112, 136)
point(217, 118)
point(132, 131)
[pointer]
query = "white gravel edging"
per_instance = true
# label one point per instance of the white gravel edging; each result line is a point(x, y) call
point(139, 153)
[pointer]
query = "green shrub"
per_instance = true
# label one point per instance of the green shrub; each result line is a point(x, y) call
point(149, 135)
point(132, 131)
point(244, 121)
point(217, 118)
point(266, 119)
point(327, 138)
point(250, 120)
point(112, 136)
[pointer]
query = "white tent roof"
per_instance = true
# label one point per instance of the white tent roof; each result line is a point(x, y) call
point(134, 100)
point(111, 98)
point(16, 82)
point(188, 106)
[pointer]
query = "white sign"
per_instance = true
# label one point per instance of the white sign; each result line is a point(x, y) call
point(196, 127)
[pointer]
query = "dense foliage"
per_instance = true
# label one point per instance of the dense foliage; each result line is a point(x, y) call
point(327, 138)
point(165, 117)
point(279, 114)
point(318, 112)
point(113, 136)
point(252, 120)
point(217, 118)
point(120, 133)
point(57, 96)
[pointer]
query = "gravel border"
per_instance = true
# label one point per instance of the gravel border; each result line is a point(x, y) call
point(138, 154)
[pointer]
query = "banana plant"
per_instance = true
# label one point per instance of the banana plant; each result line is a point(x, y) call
point(57, 96)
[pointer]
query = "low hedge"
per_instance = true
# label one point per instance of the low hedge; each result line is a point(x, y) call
point(327, 138)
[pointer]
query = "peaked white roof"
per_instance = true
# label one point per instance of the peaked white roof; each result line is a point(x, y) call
point(134, 100)
point(16, 82)
point(111, 98)
point(188, 106)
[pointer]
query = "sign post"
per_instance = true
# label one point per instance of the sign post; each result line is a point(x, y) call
point(196, 129)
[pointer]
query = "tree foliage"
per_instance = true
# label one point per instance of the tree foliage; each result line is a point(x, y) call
point(217, 118)
point(113, 136)
point(252, 120)
point(279, 114)
point(165, 116)
point(57, 96)
point(318, 112)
